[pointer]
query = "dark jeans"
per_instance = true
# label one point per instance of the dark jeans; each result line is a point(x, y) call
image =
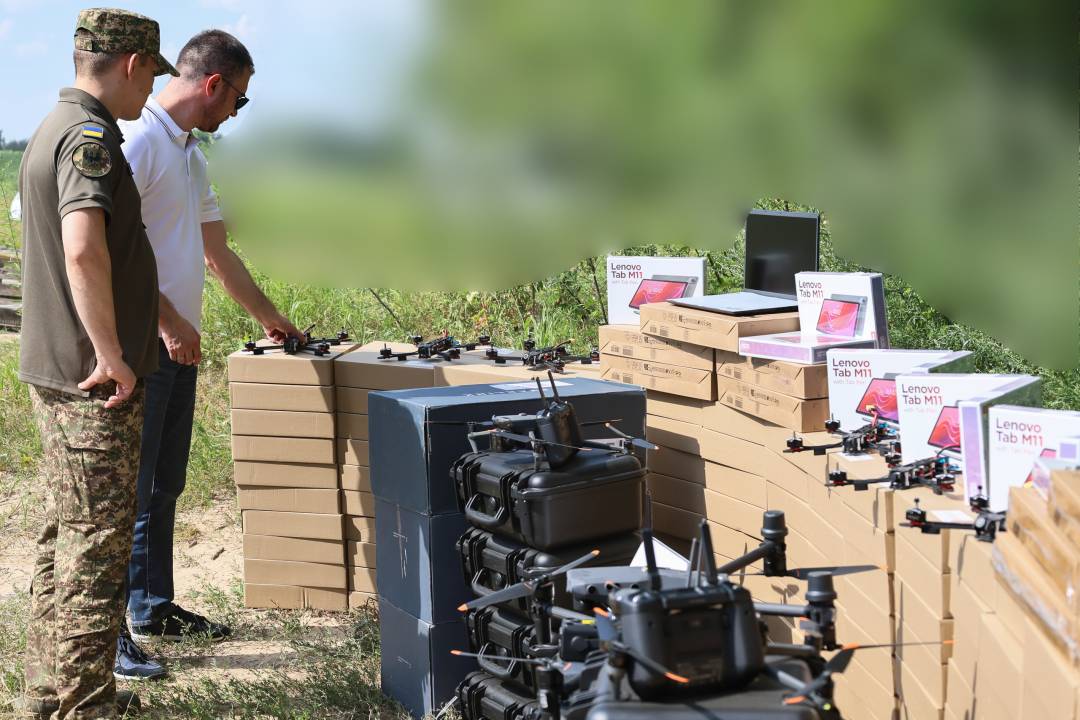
point(166, 441)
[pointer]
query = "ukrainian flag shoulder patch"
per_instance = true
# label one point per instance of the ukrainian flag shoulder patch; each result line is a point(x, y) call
point(93, 131)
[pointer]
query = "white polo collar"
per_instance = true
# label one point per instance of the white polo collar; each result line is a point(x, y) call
point(178, 136)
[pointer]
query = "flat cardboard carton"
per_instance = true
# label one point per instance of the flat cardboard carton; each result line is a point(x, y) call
point(730, 543)
point(359, 599)
point(972, 563)
point(352, 425)
point(290, 597)
point(1044, 604)
point(356, 478)
point(960, 699)
point(710, 329)
point(674, 406)
point(357, 503)
point(1050, 675)
point(360, 529)
point(283, 423)
point(297, 398)
point(866, 544)
point(677, 464)
point(269, 547)
point(367, 369)
point(876, 622)
point(353, 452)
point(1001, 663)
point(814, 465)
point(917, 702)
point(1065, 503)
point(360, 554)
point(784, 410)
point(921, 622)
point(795, 379)
point(629, 342)
point(352, 400)
point(922, 578)
point(314, 451)
point(735, 483)
point(291, 572)
point(752, 458)
point(733, 512)
point(317, 526)
point(362, 579)
point(1029, 521)
point(675, 521)
point(723, 419)
point(878, 664)
point(672, 379)
point(676, 493)
point(289, 475)
point(277, 368)
point(303, 500)
point(674, 434)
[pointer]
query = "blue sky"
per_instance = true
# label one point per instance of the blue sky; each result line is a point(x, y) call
point(334, 61)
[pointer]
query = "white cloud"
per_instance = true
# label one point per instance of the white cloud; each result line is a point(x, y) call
point(5, 27)
point(243, 28)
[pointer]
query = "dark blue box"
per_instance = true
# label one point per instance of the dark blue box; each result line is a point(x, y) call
point(417, 668)
point(416, 435)
point(417, 564)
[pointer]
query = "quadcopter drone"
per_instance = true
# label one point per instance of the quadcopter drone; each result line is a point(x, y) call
point(666, 636)
point(319, 347)
point(936, 473)
point(874, 436)
point(444, 347)
point(986, 524)
point(552, 357)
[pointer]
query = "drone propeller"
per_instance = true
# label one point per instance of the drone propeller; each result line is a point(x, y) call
point(634, 441)
point(834, 570)
point(605, 627)
point(544, 662)
point(525, 587)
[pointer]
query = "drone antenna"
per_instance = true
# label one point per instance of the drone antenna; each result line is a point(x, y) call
point(650, 559)
point(693, 560)
point(554, 389)
point(706, 549)
point(540, 388)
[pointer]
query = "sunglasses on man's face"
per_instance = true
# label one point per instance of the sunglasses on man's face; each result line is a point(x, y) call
point(241, 98)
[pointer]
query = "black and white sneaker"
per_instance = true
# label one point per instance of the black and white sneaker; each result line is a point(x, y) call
point(178, 623)
point(132, 662)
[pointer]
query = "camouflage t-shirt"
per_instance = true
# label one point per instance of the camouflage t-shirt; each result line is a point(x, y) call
point(74, 161)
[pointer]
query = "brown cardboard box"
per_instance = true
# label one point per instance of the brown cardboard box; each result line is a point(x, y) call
point(303, 500)
point(925, 663)
point(363, 599)
point(355, 477)
point(674, 407)
point(803, 552)
point(1049, 675)
point(366, 369)
point(353, 400)
point(730, 543)
point(968, 611)
point(288, 597)
point(873, 614)
point(797, 513)
point(960, 698)
point(922, 578)
point(1001, 663)
point(673, 434)
point(676, 463)
point(628, 341)
point(269, 547)
point(921, 620)
point(873, 691)
point(362, 579)
point(824, 502)
point(264, 474)
point(360, 554)
point(733, 512)
point(317, 526)
point(737, 484)
point(816, 466)
point(671, 379)
point(864, 543)
point(352, 425)
point(729, 421)
point(1065, 501)
point(675, 521)
point(357, 503)
point(1039, 598)
point(803, 381)
point(276, 368)
point(352, 452)
point(972, 563)
point(283, 423)
point(291, 572)
point(784, 410)
point(1011, 611)
point(676, 493)
point(298, 398)
point(1029, 521)
point(752, 458)
point(361, 529)
point(452, 374)
point(916, 701)
point(879, 662)
point(315, 451)
point(710, 329)
point(874, 505)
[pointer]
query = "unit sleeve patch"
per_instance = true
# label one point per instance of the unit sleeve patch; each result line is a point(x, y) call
point(92, 159)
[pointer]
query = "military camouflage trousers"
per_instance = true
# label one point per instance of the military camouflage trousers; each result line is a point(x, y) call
point(91, 459)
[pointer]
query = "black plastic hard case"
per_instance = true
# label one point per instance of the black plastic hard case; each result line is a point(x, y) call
point(545, 508)
point(503, 638)
point(484, 697)
point(491, 563)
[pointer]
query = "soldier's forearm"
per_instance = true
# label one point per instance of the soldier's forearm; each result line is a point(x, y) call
point(89, 271)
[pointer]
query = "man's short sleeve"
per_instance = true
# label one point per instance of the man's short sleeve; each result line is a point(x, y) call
point(87, 163)
point(209, 210)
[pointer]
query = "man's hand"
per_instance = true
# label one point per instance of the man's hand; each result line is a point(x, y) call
point(112, 369)
point(181, 338)
point(277, 327)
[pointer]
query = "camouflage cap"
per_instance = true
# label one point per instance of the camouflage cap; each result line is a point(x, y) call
point(121, 31)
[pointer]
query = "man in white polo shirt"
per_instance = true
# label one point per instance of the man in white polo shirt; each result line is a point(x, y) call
point(185, 227)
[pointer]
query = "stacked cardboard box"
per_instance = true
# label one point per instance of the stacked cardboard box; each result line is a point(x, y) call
point(287, 485)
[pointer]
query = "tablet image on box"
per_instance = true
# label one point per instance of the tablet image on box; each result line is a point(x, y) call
point(653, 290)
point(879, 400)
point(946, 432)
point(841, 315)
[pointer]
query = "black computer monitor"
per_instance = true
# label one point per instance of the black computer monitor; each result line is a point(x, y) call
point(778, 245)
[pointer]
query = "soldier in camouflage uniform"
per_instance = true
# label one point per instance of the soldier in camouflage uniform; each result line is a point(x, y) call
point(89, 337)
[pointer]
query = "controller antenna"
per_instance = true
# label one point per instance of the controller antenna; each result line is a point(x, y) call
point(650, 560)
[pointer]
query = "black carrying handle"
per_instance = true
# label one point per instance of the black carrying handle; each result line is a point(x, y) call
point(478, 588)
point(484, 520)
point(490, 665)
